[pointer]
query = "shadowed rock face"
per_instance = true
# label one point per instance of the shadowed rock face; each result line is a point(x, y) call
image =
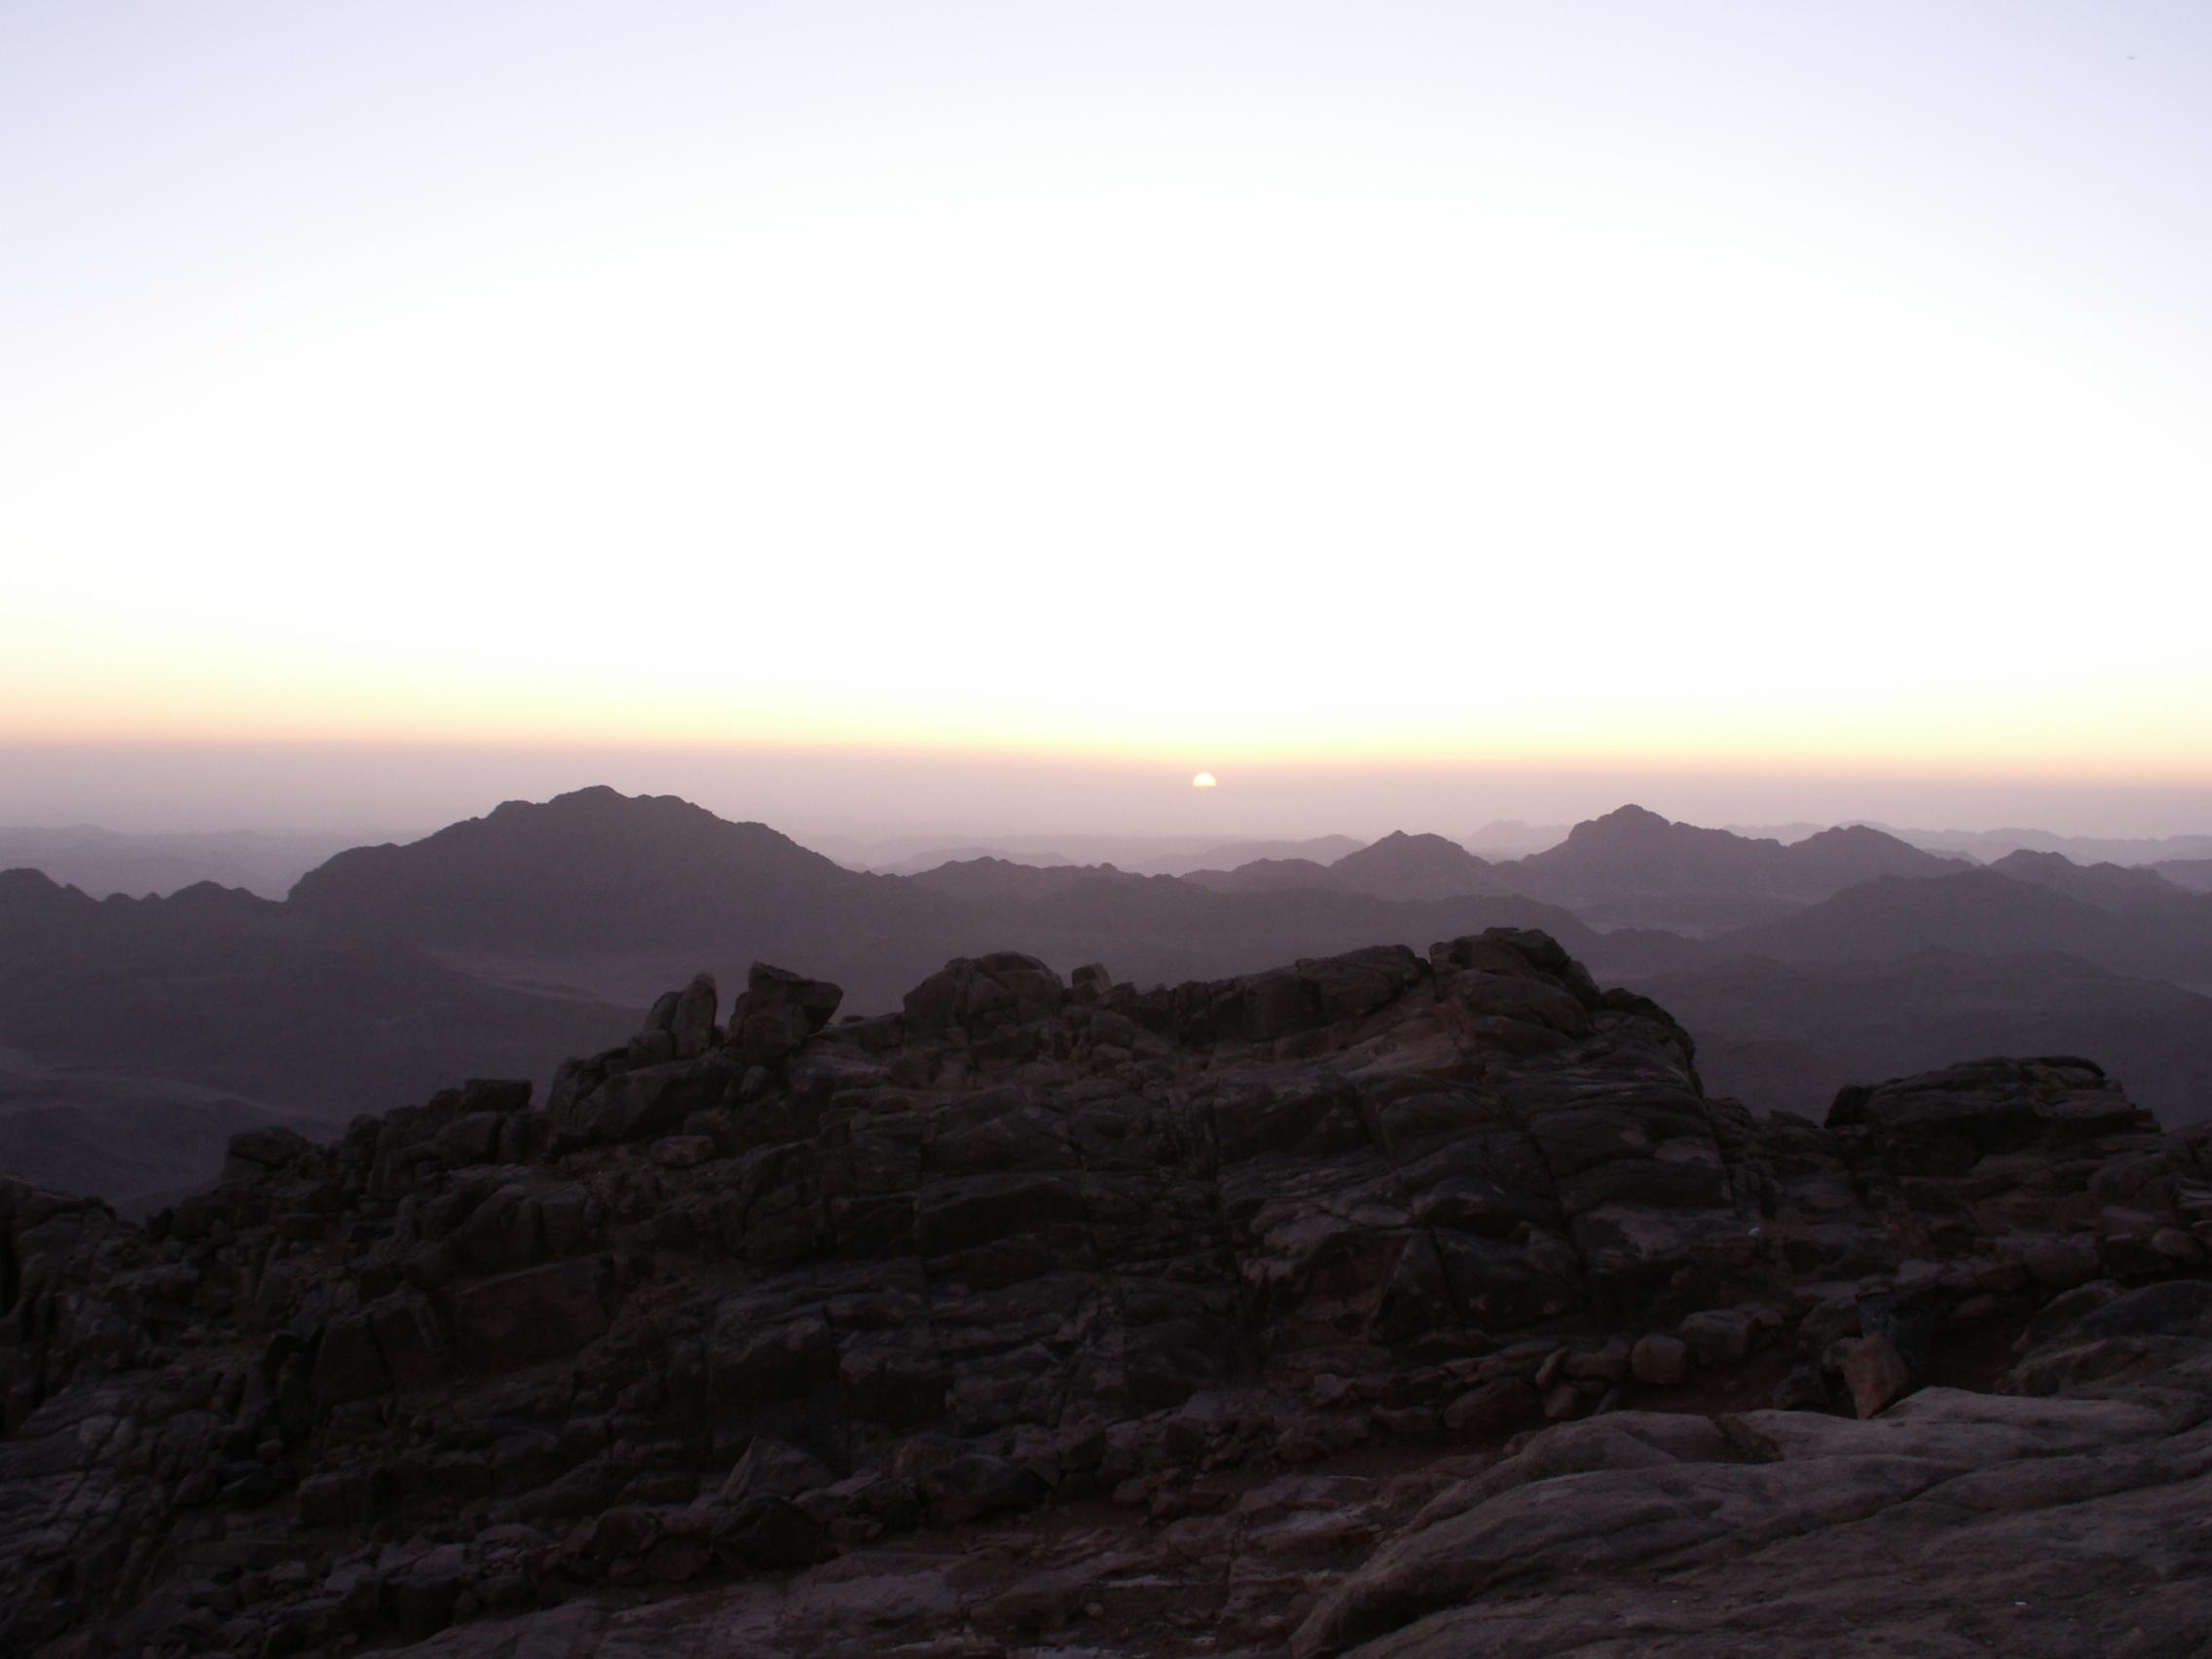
point(1382, 1303)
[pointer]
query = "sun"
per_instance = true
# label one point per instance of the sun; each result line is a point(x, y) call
point(1204, 780)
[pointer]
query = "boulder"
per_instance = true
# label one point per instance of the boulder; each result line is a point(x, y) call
point(1659, 1362)
point(691, 1023)
point(1877, 1375)
point(979, 994)
point(775, 1469)
point(257, 1154)
point(977, 1486)
point(779, 1010)
point(520, 1318)
point(639, 1102)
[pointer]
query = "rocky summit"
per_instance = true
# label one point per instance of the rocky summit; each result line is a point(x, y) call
point(1380, 1304)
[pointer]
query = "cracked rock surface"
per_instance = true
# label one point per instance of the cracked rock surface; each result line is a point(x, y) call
point(1381, 1304)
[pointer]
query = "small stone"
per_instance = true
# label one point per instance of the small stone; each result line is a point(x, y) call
point(1608, 1364)
point(1491, 1408)
point(2060, 1264)
point(1719, 1336)
point(2176, 1246)
point(1659, 1362)
point(1803, 1390)
point(1548, 1373)
point(1328, 1391)
point(691, 1023)
point(1877, 1375)
point(1407, 1422)
point(1974, 1310)
point(683, 1152)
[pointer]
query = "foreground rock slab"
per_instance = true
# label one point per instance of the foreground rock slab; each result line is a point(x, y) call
point(1388, 1304)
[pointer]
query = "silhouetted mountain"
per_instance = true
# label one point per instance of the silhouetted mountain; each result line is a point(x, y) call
point(133, 1141)
point(2107, 886)
point(1826, 862)
point(110, 861)
point(986, 880)
point(1263, 875)
point(389, 960)
point(1788, 1035)
point(1416, 866)
point(620, 871)
point(1398, 867)
point(2195, 874)
point(1319, 849)
point(617, 893)
point(1634, 868)
point(1983, 912)
point(246, 996)
point(1986, 846)
point(613, 893)
point(937, 858)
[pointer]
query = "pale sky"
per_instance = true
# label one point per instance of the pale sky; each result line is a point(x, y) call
point(1756, 390)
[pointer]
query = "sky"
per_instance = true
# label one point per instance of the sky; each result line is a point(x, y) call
point(976, 413)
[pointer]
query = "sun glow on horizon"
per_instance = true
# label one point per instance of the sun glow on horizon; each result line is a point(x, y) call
point(1494, 400)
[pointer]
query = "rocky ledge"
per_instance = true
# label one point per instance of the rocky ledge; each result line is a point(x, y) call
point(1379, 1303)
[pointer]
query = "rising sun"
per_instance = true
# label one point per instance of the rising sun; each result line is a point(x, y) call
point(1204, 780)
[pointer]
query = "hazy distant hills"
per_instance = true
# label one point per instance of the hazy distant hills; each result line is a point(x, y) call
point(1263, 876)
point(938, 857)
point(620, 872)
point(1513, 838)
point(1317, 849)
point(248, 998)
point(1629, 869)
point(1634, 869)
point(1993, 912)
point(110, 861)
point(505, 942)
point(988, 880)
point(2195, 874)
point(1417, 866)
point(623, 896)
point(2107, 886)
point(1987, 846)
point(1137, 855)
point(1398, 867)
point(1788, 1036)
point(129, 1138)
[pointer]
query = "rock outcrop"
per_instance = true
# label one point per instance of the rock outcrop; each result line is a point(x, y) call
point(1381, 1303)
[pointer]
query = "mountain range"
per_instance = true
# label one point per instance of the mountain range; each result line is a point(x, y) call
point(506, 940)
point(139, 862)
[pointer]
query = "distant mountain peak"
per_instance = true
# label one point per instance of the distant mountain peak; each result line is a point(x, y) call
point(1839, 833)
point(592, 863)
point(603, 799)
point(1623, 823)
point(1405, 839)
point(1413, 865)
